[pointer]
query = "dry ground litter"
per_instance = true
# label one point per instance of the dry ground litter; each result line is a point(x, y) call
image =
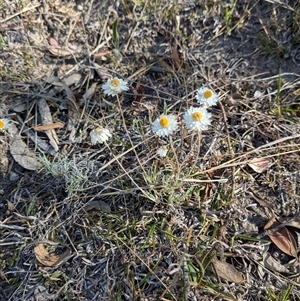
point(217, 218)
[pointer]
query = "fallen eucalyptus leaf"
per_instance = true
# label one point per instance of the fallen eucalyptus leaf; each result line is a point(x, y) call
point(227, 271)
point(47, 259)
point(20, 151)
point(272, 264)
point(56, 125)
point(282, 238)
point(60, 51)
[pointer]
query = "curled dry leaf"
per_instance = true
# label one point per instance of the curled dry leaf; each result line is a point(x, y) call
point(282, 238)
point(260, 165)
point(47, 259)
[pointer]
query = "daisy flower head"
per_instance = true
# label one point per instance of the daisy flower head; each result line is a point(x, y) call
point(206, 97)
point(197, 119)
point(162, 151)
point(99, 135)
point(4, 124)
point(164, 125)
point(115, 86)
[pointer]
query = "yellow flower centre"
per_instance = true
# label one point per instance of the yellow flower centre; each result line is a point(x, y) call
point(164, 122)
point(2, 124)
point(115, 83)
point(197, 116)
point(208, 94)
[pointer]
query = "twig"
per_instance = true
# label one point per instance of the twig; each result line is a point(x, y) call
point(12, 227)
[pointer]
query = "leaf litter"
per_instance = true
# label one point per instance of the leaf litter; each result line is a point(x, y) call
point(20, 151)
point(282, 238)
point(49, 259)
point(235, 68)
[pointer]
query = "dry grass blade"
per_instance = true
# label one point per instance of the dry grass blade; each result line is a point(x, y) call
point(138, 208)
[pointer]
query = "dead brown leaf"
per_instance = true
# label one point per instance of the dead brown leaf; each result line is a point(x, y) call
point(282, 238)
point(47, 259)
point(227, 271)
point(20, 152)
point(61, 51)
point(260, 165)
point(56, 125)
point(175, 57)
point(101, 54)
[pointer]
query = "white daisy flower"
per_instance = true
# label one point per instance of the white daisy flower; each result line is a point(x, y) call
point(99, 135)
point(115, 86)
point(164, 125)
point(162, 151)
point(206, 97)
point(4, 124)
point(197, 119)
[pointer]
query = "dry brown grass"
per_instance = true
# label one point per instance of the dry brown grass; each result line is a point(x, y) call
point(132, 226)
